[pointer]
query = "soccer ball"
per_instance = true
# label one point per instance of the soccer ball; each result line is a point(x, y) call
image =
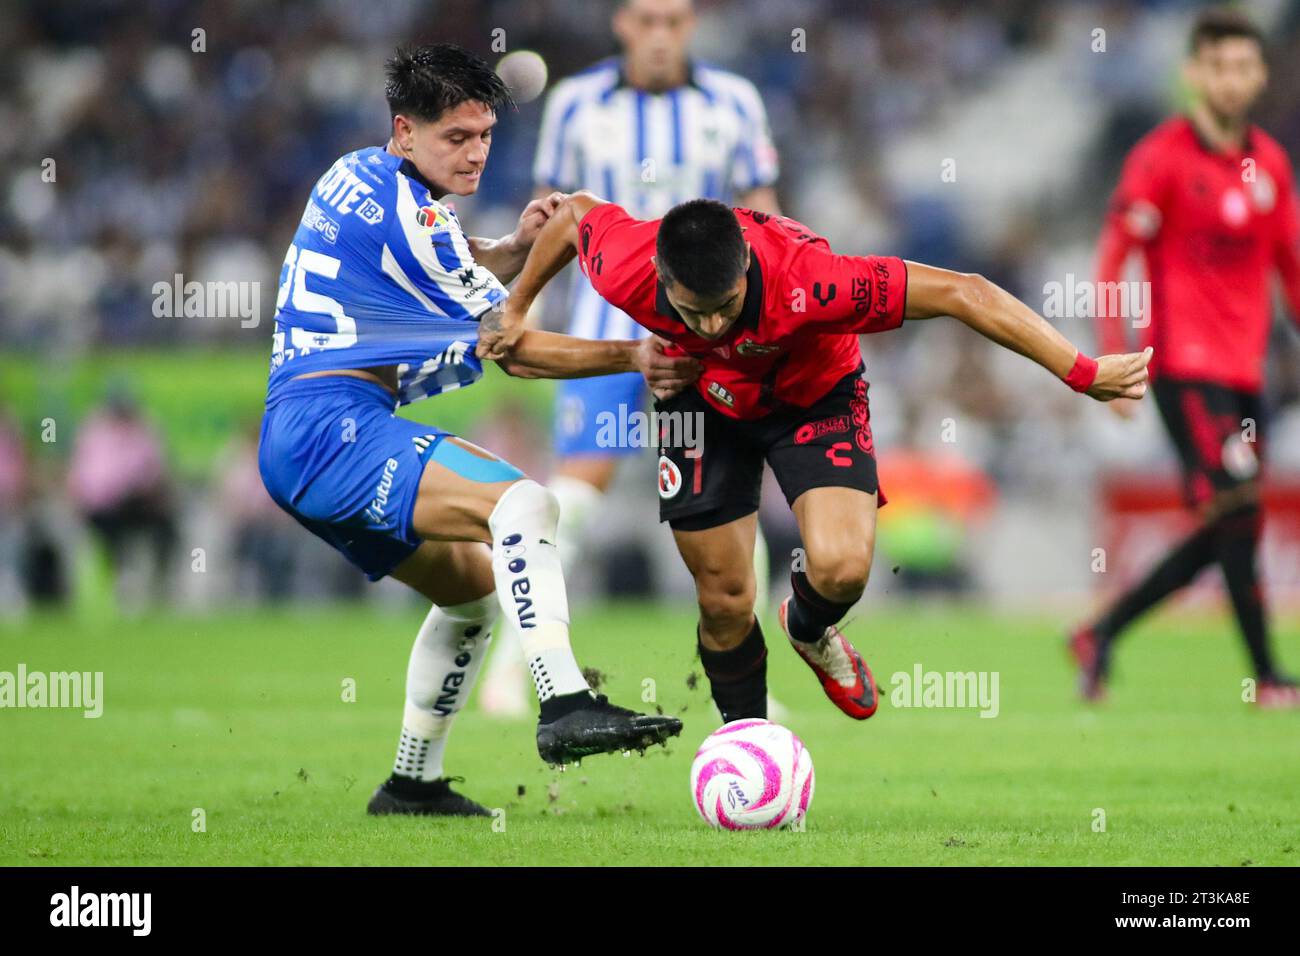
point(752, 775)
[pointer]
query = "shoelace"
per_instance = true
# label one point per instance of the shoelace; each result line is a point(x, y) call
point(830, 655)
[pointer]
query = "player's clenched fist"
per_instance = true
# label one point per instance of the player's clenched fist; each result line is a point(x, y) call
point(534, 216)
point(499, 332)
point(666, 375)
point(1121, 376)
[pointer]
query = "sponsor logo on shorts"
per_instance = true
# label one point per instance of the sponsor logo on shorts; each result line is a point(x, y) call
point(722, 395)
point(382, 490)
point(424, 442)
point(670, 478)
point(827, 426)
point(860, 413)
point(838, 460)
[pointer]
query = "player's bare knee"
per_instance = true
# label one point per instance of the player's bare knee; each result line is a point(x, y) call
point(726, 601)
point(527, 497)
point(840, 574)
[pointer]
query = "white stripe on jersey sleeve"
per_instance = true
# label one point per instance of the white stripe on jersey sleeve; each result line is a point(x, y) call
point(559, 158)
point(756, 162)
point(476, 299)
point(556, 161)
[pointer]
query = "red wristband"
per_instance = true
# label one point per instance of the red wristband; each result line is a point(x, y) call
point(1083, 374)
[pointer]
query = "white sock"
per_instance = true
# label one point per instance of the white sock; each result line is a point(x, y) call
point(445, 659)
point(530, 585)
point(578, 499)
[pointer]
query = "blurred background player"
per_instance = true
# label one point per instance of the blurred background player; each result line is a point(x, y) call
point(648, 129)
point(1209, 200)
point(119, 482)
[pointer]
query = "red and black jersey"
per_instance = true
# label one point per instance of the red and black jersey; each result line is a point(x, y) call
point(797, 333)
point(1212, 226)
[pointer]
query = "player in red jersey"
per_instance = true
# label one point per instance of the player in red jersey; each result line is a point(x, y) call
point(773, 317)
point(1209, 200)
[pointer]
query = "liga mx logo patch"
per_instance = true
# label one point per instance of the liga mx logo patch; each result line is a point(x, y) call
point(431, 218)
point(670, 478)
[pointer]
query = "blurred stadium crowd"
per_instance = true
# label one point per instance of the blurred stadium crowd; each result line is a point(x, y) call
point(140, 139)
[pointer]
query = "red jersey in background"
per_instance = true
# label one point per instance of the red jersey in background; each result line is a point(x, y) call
point(1212, 227)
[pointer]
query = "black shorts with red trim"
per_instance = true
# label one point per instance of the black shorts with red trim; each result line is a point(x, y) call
point(711, 466)
point(1218, 431)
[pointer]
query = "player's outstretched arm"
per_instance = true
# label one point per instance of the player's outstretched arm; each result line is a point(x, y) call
point(998, 315)
point(504, 257)
point(554, 247)
point(550, 355)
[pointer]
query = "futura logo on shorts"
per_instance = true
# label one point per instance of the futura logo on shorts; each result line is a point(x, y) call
point(376, 510)
point(520, 587)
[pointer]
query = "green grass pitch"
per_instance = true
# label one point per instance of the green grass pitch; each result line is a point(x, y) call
point(242, 715)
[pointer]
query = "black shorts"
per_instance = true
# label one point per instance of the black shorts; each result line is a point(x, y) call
point(711, 473)
point(1218, 431)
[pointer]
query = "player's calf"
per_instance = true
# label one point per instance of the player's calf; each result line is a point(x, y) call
point(730, 640)
point(444, 663)
point(809, 618)
point(573, 722)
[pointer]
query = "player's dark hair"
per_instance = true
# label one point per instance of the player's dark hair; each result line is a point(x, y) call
point(426, 81)
point(701, 247)
point(1222, 23)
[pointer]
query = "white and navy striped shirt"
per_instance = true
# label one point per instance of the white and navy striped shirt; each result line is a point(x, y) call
point(648, 152)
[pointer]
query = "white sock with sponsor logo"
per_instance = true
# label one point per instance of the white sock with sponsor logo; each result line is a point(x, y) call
point(530, 585)
point(444, 661)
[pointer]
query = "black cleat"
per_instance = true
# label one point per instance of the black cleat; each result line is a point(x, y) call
point(600, 727)
point(401, 795)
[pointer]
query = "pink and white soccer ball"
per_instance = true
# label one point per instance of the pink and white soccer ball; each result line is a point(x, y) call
point(752, 775)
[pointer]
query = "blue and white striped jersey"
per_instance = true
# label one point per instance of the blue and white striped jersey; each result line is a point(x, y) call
point(380, 273)
point(648, 152)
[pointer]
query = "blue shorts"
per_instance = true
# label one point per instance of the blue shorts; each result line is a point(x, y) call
point(587, 413)
point(333, 455)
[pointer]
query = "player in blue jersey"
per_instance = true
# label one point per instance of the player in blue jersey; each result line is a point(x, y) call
point(381, 299)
